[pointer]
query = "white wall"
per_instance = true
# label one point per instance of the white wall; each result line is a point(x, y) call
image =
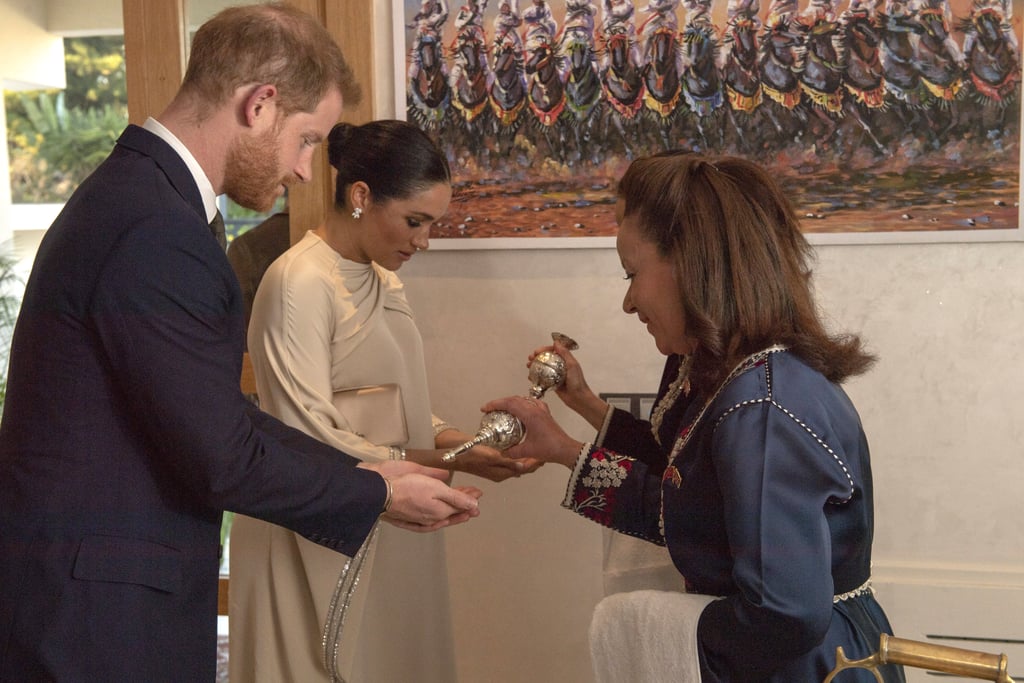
point(83, 17)
point(943, 406)
point(29, 53)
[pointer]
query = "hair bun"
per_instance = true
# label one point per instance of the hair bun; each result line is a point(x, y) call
point(337, 142)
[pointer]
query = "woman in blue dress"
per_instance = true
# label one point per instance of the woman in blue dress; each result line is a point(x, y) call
point(764, 497)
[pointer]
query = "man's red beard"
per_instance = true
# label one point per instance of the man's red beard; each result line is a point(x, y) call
point(251, 174)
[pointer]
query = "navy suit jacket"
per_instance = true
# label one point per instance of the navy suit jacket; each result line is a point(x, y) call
point(125, 435)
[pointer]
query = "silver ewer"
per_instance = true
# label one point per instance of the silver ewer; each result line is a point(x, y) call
point(548, 368)
point(546, 371)
point(502, 430)
point(498, 429)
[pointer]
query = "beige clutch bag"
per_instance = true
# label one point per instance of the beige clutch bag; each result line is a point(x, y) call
point(375, 413)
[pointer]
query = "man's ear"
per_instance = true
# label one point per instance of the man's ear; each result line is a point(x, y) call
point(261, 105)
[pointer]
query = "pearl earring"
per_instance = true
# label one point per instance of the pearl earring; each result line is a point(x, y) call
point(356, 213)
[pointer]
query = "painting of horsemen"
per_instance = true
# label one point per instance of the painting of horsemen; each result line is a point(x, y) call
point(887, 117)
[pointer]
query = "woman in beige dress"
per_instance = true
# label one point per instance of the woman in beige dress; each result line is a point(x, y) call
point(330, 315)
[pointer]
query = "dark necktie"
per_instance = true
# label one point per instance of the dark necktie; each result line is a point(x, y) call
point(217, 228)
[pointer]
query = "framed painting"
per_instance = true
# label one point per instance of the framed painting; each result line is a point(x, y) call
point(885, 120)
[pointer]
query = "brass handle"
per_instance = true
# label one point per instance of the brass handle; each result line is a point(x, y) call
point(951, 660)
point(941, 658)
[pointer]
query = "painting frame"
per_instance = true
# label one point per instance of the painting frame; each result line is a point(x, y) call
point(400, 27)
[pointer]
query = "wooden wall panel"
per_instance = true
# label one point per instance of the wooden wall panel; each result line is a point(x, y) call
point(306, 202)
point(154, 45)
point(350, 22)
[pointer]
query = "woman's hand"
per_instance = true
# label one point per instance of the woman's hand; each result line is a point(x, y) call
point(489, 463)
point(545, 441)
point(484, 461)
point(574, 392)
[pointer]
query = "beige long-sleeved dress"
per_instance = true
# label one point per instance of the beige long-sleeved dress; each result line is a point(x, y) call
point(321, 324)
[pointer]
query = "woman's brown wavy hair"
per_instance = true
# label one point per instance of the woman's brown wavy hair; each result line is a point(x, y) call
point(741, 261)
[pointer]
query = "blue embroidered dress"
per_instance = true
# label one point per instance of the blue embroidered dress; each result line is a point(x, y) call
point(765, 500)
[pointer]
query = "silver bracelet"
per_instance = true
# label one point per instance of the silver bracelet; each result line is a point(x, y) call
point(387, 498)
point(397, 452)
point(441, 427)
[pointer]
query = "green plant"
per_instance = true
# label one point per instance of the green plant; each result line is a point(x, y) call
point(53, 148)
point(10, 302)
point(56, 138)
point(95, 71)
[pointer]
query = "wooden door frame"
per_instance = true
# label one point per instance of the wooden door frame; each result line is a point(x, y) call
point(155, 59)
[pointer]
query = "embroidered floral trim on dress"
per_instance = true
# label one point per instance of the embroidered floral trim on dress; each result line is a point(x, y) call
point(581, 462)
point(592, 491)
point(606, 474)
point(680, 385)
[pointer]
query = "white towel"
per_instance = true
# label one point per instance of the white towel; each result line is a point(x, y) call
point(632, 564)
point(646, 637)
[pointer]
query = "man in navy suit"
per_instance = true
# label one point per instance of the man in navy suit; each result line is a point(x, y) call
point(125, 434)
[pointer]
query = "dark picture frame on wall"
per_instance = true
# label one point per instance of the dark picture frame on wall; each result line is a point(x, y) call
point(885, 120)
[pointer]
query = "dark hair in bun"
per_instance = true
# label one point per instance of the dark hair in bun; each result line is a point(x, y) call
point(394, 158)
